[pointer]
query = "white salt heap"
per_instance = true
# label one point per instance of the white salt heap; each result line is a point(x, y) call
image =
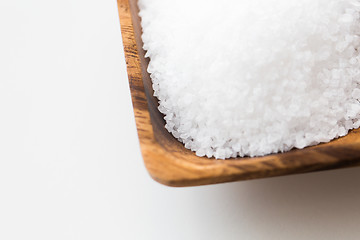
point(249, 78)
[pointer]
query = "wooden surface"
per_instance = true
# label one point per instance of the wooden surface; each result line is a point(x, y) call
point(168, 161)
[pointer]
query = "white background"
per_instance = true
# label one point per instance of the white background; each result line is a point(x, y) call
point(70, 164)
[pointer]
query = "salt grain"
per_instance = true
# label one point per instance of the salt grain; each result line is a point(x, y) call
point(250, 78)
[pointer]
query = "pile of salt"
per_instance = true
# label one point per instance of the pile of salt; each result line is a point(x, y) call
point(249, 78)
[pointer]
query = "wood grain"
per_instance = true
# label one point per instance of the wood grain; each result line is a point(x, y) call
point(167, 160)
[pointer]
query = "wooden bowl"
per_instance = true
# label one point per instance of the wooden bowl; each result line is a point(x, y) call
point(170, 163)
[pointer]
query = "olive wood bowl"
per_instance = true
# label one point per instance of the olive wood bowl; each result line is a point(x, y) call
point(170, 163)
